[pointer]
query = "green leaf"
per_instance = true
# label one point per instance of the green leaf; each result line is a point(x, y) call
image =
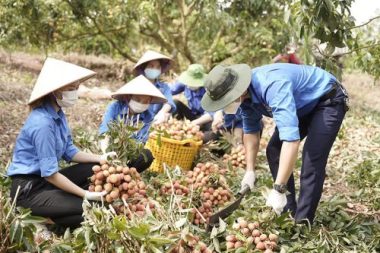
point(15, 230)
point(120, 224)
point(160, 240)
point(154, 249)
point(113, 235)
point(216, 244)
point(33, 219)
point(139, 232)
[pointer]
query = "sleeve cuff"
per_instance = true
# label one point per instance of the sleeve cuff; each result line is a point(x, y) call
point(289, 133)
point(48, 166)
point(252, 129)
point(70, 153)
point(102, 129)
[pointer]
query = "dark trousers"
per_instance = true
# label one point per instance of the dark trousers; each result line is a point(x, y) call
point(143, 161)
point(46, 200)
point(320, 127)
point(183, 111)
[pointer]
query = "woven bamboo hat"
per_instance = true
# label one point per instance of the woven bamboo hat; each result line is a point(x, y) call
point(151, 55)
point(56, 74)
point(140, 86)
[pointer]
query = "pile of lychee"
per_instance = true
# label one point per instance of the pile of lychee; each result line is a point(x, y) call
point(177, 188)
point(120, 182)
point(254, 237)
point(190, 243)
point(178, 130)
point(236, 157)
point(209, 181)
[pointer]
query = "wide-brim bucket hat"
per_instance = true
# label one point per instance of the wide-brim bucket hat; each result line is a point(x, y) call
point(194, 76)
point(56, 74)
point(224, 85)
point(151, 55)
point(140, 86)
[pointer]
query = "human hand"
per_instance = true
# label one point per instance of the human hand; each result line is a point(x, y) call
point(104, 144)
point(105, 156)
point(248, 180)
point(95, 196)
point(277, 201)
point(161, 117)
point(218, 121)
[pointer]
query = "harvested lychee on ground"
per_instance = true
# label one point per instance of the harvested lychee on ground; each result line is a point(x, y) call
point(255, 237)
point(118, 181)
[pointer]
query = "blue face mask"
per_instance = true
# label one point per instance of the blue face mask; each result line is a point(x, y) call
point(152, 73)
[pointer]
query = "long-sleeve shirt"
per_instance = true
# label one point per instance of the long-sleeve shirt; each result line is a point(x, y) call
point(118, 110)
point(165, 89)
point(285, 92)
point(44, 140)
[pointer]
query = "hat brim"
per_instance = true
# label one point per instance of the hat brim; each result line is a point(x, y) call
point(140, 86)
point(166, 64)
point(242, 83)
point(188, 80)
point(155, 100)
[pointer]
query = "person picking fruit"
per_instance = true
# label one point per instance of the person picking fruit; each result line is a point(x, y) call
point(132, 105)
point(190, 83)
point(152, 65)
point(232, 123)
point(37, 181)
point(304, 101)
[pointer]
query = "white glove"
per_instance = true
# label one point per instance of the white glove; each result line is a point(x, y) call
point(161, 117)
point(277, 201)
point(105, 156)
point(104, 144)
point(95, 196)
point(248, 180)
point(218, 121)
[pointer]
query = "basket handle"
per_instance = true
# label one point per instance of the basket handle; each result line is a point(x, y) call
point(181, 142)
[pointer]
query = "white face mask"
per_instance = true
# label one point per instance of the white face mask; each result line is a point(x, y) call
point(232, 108)
point(69, 98)
point(151, 73)
point(138, 107)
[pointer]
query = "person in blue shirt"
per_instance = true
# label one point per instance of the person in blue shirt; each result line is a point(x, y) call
point(37, 181)
point(190, 83)
point(152, 65)
point(131, 105)
point(304, 101)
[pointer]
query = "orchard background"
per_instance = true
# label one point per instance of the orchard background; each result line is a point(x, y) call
point(109, 36)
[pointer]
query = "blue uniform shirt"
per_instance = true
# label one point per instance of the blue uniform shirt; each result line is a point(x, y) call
point(44, 139)
point(165, 89)
point(193, 97)
point(285, 92)
point(119, 110)
point(233, 120)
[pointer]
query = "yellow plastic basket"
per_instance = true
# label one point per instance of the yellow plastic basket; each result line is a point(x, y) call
point(172, 152)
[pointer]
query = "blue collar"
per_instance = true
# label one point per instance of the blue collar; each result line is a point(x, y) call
point(50, 109)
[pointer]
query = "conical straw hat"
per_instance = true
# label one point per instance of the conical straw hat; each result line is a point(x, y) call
point(140, 86)
point(151, 55)
point(56, 74)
